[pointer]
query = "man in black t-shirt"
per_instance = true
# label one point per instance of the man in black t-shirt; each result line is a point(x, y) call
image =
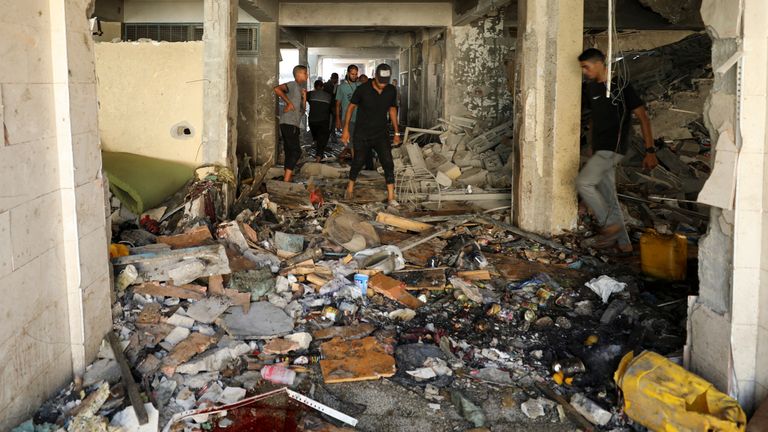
point(373, 100)
point(609, 125)
point(320, 103)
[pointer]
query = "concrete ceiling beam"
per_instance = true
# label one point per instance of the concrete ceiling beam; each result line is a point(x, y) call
point(293, 37)
point(480, 9)
point(357, 39)
point(366, 14)
point(262, 10)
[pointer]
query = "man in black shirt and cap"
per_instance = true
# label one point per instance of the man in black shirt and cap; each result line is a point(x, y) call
point(374, 100)
point(610, 123)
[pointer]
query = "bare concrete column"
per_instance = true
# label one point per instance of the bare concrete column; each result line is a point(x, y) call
point(304, 56)
point(264, 80)
point(548, 109)
point(220, 87)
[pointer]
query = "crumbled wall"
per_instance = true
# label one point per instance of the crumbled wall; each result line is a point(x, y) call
point(53, 239)
point(710, 348)
point(477, 85)
point(147, 88)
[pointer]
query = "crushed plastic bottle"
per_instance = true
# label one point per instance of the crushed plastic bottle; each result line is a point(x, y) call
point(278, 374)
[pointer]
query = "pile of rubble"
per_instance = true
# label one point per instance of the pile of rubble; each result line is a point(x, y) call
point(214, 317)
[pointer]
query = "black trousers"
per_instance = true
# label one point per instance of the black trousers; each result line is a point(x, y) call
point(363, 146)
point(320, 134)
point(291, 145)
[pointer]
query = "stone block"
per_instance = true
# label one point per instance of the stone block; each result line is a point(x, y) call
point(33, 115)
point(6, 257)
point(492, 162)
point(435, 161)
point(84, 118)
point(443, 180)
point(94, 260)
point(474, 176)
point(86, 157)
point(91, 214)
point(450, 170)
point(36, 228)
point(709, 342)
point(36, 163)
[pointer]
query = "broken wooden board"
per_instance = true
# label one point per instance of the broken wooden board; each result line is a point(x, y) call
point(355, 331)
point(513, 268)
point(189, 291)
point(418, 255)
point(475, 275)
point(196, 343)
point(150, 314)
point(430, 234)
point(429, 279)
point(216, 285)
point(289, 195)
point(196, 236)
point(204, 260)
point(402, 223)
point(355, 360)
point(393, 289)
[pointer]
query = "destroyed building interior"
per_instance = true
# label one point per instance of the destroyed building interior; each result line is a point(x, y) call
point(164, 266)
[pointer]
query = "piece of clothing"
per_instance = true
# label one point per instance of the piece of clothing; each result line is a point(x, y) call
point(294, 95)
point(363, 147)
point(596, 184)
point(372, 108)
point(344, 93)
point(291, 145)
point(319, 106)
point(320, 134)
point(611, 117)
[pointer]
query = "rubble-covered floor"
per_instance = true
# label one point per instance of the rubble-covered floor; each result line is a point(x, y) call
point(467, 321)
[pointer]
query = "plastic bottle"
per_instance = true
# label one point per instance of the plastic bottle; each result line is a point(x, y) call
point(278, 374)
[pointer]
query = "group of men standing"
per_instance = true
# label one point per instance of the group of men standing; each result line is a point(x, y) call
point(358, 108)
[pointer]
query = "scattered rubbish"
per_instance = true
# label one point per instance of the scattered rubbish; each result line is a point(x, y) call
point(468, 409)
point(604, 286)
point(590, 410)
point(661, 395)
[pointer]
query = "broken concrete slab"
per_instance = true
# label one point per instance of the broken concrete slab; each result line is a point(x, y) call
point(291, 243)
point(206, 260)
point(217, 360)
point(263, 320)
point(102, 370)
point(208, 309)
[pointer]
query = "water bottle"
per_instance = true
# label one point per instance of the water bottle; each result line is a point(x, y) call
point(278, 374)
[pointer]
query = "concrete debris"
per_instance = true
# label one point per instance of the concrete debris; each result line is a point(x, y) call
point(441, 300)
point(590, 410)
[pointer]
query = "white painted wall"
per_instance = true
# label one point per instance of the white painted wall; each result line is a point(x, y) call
point(142, 11)
point(54, 276)
point(145, 88)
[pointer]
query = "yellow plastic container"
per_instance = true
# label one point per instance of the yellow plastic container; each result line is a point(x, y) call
point(663, 396)
point(664, 256)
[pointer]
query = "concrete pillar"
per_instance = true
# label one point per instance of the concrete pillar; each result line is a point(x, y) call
point(265, 80)
point(475, 56)
point(220, 86)
point(548, 114)
point(303, 55)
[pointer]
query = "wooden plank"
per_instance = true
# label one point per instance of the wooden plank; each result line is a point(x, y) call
point(317, 280)
point(393, 289)
point(125, 371)
point(189, 291)
point(470, 197)
point(355, 360)
point(430, 234)
point(355, 331)
point(216, 285)
point(193, 237)
point(475, 275)
point(515, 230)
point(156, 266)
point(430, 279)
point(402, 223)
point(195, 343)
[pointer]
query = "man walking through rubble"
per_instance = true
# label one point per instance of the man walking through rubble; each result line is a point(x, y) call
point(319, 115)
point(609, 126)
point(330, 88)
point(294, 95)
point(375, 100)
